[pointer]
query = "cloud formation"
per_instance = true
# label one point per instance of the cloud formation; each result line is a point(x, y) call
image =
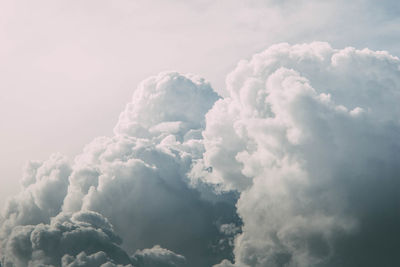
point(137, 180)
point(309, 136)
point(296, 166)
point(86, 233)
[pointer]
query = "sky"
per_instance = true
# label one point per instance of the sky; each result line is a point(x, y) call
point(63, 61)
point(69, 68)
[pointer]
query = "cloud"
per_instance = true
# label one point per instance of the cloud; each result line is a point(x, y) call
point(44, 189)
point(158, 257)
point(309, 136)
point(169, 102)
point(84, 238)
point(296, 166)
point(67, 234)
point(137, 180)
point(96, 259)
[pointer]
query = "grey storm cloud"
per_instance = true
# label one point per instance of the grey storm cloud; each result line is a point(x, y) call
point(67, 234)
point(297, 166)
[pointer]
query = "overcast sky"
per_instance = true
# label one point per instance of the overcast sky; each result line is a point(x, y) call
point(69, 67)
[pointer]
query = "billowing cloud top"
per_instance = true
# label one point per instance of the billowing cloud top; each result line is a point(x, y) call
point(297, 166)
point(310, 137)
point(135, 181)
point(169, 102)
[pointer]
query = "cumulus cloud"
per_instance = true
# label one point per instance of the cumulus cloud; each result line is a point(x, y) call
point(167, 103)
point(309, 136)
point(44, 189)
point(158, 257)
point(67, 234)
point(137, 179)
point(296, 166)
point(96, 259)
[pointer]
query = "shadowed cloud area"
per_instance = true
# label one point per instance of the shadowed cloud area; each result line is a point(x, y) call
point(297, 166)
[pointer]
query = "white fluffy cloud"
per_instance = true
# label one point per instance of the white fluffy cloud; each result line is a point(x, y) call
point(137, 180)
point(158, 257)
point(44, 189)
point(167, 103)
point(309, 136)
point(297, 166)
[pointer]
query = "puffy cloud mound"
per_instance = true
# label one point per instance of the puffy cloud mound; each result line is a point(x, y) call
point(297, 166)
point(158, 257)
point(136, 179)
point(96, 259)
point(58, 243)
point(45, 186)
point(310, 137)
point(167, 103)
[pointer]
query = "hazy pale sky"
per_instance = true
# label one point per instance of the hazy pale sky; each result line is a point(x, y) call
point(69, 67)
